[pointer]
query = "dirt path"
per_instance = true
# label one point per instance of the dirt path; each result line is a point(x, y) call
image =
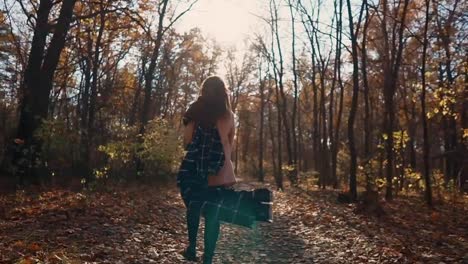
point(269, 243)
point(146, 225)
point(311, 227)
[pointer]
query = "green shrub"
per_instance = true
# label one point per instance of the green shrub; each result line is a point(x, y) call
point(159, 149)
point(60, 144)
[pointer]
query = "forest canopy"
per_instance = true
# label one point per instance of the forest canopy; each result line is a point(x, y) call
point(345, 94)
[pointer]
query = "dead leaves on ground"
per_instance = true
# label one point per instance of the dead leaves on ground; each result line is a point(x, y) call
point(146, 225)
point(140, 225)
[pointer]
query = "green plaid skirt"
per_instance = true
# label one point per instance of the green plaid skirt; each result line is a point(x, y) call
point(241, 208)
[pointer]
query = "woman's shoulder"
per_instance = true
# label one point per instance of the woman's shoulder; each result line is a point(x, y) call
point(229, 116)
point(226, 119)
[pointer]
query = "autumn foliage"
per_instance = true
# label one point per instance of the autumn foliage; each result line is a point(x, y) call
point(357, 110)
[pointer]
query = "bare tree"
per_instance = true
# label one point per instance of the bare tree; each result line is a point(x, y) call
point(426, 148)
point(40, 70)
point(352, 111)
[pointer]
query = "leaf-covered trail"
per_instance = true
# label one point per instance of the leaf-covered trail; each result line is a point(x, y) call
point(310, 227)
point(146, 225)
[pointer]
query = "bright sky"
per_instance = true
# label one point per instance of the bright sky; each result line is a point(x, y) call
point(229, 22)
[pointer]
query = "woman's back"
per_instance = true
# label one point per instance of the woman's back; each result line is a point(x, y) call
point(226, 130)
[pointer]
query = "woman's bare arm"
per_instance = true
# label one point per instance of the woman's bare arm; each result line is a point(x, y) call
point(232, 131)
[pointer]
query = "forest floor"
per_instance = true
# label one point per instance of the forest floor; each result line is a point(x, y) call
point(146, 225)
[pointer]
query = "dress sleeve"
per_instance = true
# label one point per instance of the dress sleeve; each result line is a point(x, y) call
point(188, 132)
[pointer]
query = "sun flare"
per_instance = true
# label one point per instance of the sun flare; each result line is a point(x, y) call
point(227, 21)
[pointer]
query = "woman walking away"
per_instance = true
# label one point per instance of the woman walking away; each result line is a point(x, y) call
point(207, 168)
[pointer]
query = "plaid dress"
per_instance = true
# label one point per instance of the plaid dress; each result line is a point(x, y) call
point(205, 156)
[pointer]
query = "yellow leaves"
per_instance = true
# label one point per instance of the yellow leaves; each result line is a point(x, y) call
point(288, 168)
point(412, 174)
point(465, 133)
point(445, 100)
point(429, 74)
point(101, 173)
point(400, 138)
point(380, 183)
point(26, 260)
point(2, 18)
point(429, 115)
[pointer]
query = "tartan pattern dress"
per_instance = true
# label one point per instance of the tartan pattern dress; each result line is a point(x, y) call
point(205, 156)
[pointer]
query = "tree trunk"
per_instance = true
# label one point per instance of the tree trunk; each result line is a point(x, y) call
point(295, 82)
point(136, 97)
point(90, 128)
point(340, 104)
point(426, 148)
point(367, 119)
point(31, 113)
point(274, 152)
point(352, 112)
point(277, 75)
point(391, 69)
point(284, 105)
point(149, 75)
point(261, 174)
point(39, 74)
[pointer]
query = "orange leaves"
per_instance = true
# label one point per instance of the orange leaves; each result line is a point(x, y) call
point(435, 217)
point(18, 244)
point(22, 245)
point(26, 249)
point(34, 247)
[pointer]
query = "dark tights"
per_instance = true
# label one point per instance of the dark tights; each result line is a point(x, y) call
point(212, 226)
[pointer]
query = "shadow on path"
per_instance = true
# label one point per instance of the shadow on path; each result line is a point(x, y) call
point(275, 242)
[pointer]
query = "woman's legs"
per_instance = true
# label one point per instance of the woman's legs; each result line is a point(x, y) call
point(193, 205)
point(193, 201)
point(212, 227)
point(193, 221)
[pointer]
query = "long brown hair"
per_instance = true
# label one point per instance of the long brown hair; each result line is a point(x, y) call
point(212, 104)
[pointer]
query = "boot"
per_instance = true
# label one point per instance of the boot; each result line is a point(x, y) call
point(189, 254)
point(207, 259)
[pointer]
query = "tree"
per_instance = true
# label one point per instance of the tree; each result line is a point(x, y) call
point(352, 111)
point(296, 88)
point(40, 70)
point(426, 149)
point(391, 53)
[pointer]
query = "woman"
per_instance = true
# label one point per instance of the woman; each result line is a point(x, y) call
point(207, 168)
